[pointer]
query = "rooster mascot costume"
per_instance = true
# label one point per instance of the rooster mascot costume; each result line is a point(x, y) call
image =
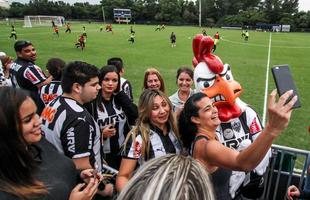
point(240, 123)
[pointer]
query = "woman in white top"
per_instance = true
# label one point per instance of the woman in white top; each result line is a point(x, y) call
point(184, 82)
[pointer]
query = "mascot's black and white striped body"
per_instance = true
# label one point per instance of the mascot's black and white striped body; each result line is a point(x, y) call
point(240, 123)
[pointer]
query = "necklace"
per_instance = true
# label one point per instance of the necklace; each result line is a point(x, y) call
point(210, 135)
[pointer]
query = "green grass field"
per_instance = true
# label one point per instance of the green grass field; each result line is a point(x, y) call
point(152, 49)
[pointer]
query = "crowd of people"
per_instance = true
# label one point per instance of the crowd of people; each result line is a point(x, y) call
point(77, 134)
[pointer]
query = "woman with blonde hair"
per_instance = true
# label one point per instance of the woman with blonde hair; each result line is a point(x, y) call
point(169, 177)
point(153, 80)
point(155, 134)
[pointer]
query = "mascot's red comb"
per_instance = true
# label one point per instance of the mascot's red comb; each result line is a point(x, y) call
point(202, 48)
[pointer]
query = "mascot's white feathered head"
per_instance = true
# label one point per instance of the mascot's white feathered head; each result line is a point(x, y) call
point(215, 79)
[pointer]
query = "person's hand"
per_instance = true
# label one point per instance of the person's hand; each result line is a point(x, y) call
point(87, 174)
point(108, 131)
point(279, 112)
point(80, 192)
point(292, 192)
point(108, 190)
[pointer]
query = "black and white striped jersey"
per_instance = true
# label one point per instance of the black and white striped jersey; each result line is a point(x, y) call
point(2, 78)
point(112, 113)
point(26, 75)
point(160, 145)
point(126, 87)
point(247, 126)
point(72, 130)
point(50, 91)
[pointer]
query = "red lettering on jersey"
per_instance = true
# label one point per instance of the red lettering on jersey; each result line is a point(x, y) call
point(137, 150)
point(48, 114)
point(48, 97)
point(31, 77)
point(255, 127)
point(40, 71)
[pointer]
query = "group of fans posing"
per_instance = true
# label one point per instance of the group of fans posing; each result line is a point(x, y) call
point(88, 115)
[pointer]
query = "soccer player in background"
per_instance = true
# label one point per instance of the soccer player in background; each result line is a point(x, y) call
point(13, 32)
point(81, 42)
point(131, 30)
point(204, 32)
point(68, 25)
point(132, 38)
point(216, 40)
point(157, 28)
point(56, 30)
point(84, 33)
point(173, 39)
point(246, 38)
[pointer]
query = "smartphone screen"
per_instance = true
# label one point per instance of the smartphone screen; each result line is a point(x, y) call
point(284, 82)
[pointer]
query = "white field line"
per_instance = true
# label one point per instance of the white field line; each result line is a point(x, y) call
point(267, 78)
point(261, 45)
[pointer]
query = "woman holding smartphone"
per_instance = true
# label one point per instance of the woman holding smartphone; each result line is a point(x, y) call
point(197, 124)
point(114, 112)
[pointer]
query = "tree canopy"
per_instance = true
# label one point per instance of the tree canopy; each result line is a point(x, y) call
point(214, 12)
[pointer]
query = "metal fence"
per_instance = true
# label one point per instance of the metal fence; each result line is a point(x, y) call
point(288, 166)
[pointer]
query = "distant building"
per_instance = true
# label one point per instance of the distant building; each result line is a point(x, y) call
point(4, 4)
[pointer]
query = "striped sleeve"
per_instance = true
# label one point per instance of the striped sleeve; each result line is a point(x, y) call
point(34, 74)
point(133, 148)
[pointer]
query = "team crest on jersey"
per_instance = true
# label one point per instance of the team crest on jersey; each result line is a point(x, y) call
point(137, 150)
point(255, 127)
point(236, 126)
point(228, 133)
point(48, 114)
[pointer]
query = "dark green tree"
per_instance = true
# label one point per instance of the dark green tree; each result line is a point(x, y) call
point(170, 10)
point(17, 10)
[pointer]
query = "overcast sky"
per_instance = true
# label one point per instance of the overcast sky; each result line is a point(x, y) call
point(303, 4)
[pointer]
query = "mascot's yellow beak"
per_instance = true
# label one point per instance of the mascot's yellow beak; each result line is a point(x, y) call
point(223, 91)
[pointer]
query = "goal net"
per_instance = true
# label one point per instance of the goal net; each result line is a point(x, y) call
point(43, 20)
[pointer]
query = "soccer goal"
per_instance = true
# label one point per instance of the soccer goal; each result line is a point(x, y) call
point(122, 15)
point(43, 20)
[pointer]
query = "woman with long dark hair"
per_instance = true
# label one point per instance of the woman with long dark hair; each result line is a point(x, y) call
point(31, 167)
point(197, 124)
point(114, 112)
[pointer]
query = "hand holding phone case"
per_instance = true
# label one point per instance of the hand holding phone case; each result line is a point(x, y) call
point(284, 82)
